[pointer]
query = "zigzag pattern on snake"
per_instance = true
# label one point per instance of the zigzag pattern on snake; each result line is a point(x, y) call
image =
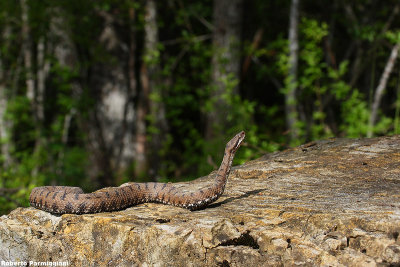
point(66, 199)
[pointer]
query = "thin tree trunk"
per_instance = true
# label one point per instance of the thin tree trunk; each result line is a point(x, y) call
point(31, 92)
point(290, 96)
point(42, 72)
point(5, 125)
point(151, 85)
point(141, 110)
point(227, 18)
point(359, 63)
point(381, 87)
point(64, 140)
point(64, 54)
point(27, 46)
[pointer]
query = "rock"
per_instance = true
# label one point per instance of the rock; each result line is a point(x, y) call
point(326, 203)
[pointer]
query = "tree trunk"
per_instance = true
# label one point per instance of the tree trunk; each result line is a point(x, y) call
point(290, 96)
point(111, 121)
point(227, 17)
point(5, 146)
point(381, 87)
point(42, 72)
point(150, 71)
point(141, 163)
point(66, 56)
point(27, 51)
point(35, 97)
point(5, 125)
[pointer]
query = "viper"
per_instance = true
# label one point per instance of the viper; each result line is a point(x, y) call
point(66, 199)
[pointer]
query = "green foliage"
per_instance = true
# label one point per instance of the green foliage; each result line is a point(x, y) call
point(40, 157)
point(19, 186)
point(355, 115)
point(319, 81)
point(393, 37)
point(187, 154)
point(313, 77)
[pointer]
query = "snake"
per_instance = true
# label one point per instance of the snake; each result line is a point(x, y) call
point(60, 200)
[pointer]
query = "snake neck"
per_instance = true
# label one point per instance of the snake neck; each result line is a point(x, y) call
point(226, 163)
point(224, 170)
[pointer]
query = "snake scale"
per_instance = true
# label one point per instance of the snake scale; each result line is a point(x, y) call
point(66, 199)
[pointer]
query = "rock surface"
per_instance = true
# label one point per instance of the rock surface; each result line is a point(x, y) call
point(326, 203)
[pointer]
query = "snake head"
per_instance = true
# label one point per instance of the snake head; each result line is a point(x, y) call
point(233, 145)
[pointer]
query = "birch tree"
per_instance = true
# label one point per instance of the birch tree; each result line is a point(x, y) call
point(381, 87)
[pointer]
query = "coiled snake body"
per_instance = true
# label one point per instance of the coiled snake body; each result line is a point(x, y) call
point(66, 199)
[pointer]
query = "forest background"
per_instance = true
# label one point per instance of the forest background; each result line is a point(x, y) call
point(97, 93)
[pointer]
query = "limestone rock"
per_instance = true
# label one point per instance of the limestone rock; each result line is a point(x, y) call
point(326, 203)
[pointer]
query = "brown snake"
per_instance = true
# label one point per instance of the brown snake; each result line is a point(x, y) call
point(66, 199)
